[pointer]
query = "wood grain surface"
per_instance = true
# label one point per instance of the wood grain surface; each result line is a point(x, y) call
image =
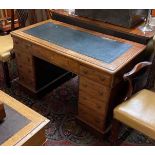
point(26, 134)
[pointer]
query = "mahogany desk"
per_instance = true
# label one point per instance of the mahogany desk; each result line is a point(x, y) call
point(133, 34)
point(100, 81)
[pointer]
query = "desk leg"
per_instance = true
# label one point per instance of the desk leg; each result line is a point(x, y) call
point(92, 106)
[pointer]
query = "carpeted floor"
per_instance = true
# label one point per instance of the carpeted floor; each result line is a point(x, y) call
point(61, 105)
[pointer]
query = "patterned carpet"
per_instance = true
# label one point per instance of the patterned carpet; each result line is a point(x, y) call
point(61, 105)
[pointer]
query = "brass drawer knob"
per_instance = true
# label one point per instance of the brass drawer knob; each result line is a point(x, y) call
point(85, 72)
point(28, 59)
point(101, 93)
point(102, 78)
point(28, 45)
point(16, 42)
point(98, 107)
point(85, 85)
point(97, 120)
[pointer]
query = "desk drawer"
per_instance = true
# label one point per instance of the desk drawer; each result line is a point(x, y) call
point(26, 74)
point(93, 103)
point(25, 69)
point(56, 58)
point(65, 63)
point(22, 44)
point(23, 57)
point(46, 54)
point(28, 82)
point(91, 117)
point(90, 87)
point(97, 76)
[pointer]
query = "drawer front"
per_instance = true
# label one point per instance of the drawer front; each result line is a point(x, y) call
point(93, 103)
point(22, 44)
point(97, 90)
point(28, 82)
point(23, 57)
point(91, 117)
point(26, 71)
point(22, 49)
point(25, 64)
point(97, 76)
point(55, 58)
point(65, 63)
point(25, 68)
point(26, 75)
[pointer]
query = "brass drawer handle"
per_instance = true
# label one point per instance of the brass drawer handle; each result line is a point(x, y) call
point(97, 120)
point(16, 42)
point(20, 66)
point(22, 78)
point(29, 71)
point(18, 54)
point(28, 45)
point(102, 78)
point(28, 59)
point(85, 72)
point(98, 107)
point(101, 93)
point(84, 98)
point(52, 58)
point(85, 85)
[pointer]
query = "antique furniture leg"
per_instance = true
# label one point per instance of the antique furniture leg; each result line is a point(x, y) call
point(6, 74)
point(115, 132)
point(151, 76)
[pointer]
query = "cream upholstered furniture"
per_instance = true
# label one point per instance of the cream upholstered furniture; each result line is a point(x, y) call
point(137, 111)
point(5, 48)
point(5, 55)
point(6, 44)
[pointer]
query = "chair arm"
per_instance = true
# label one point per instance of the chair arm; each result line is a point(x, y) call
point(137, 68)
point(127, 76)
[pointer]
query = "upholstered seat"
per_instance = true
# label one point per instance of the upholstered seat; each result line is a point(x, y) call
point(6, 43)
point(138, 112)
point(5, 47)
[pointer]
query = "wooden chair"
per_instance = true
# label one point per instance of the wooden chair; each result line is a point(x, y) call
point(137, 111)
point(7, 44)
point(22, 15)
point(38, 15)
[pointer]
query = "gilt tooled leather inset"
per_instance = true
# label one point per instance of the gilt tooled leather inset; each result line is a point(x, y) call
point(13, 122)
point(93, 46)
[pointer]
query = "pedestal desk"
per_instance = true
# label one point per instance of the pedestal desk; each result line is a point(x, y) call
point(79, 51)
